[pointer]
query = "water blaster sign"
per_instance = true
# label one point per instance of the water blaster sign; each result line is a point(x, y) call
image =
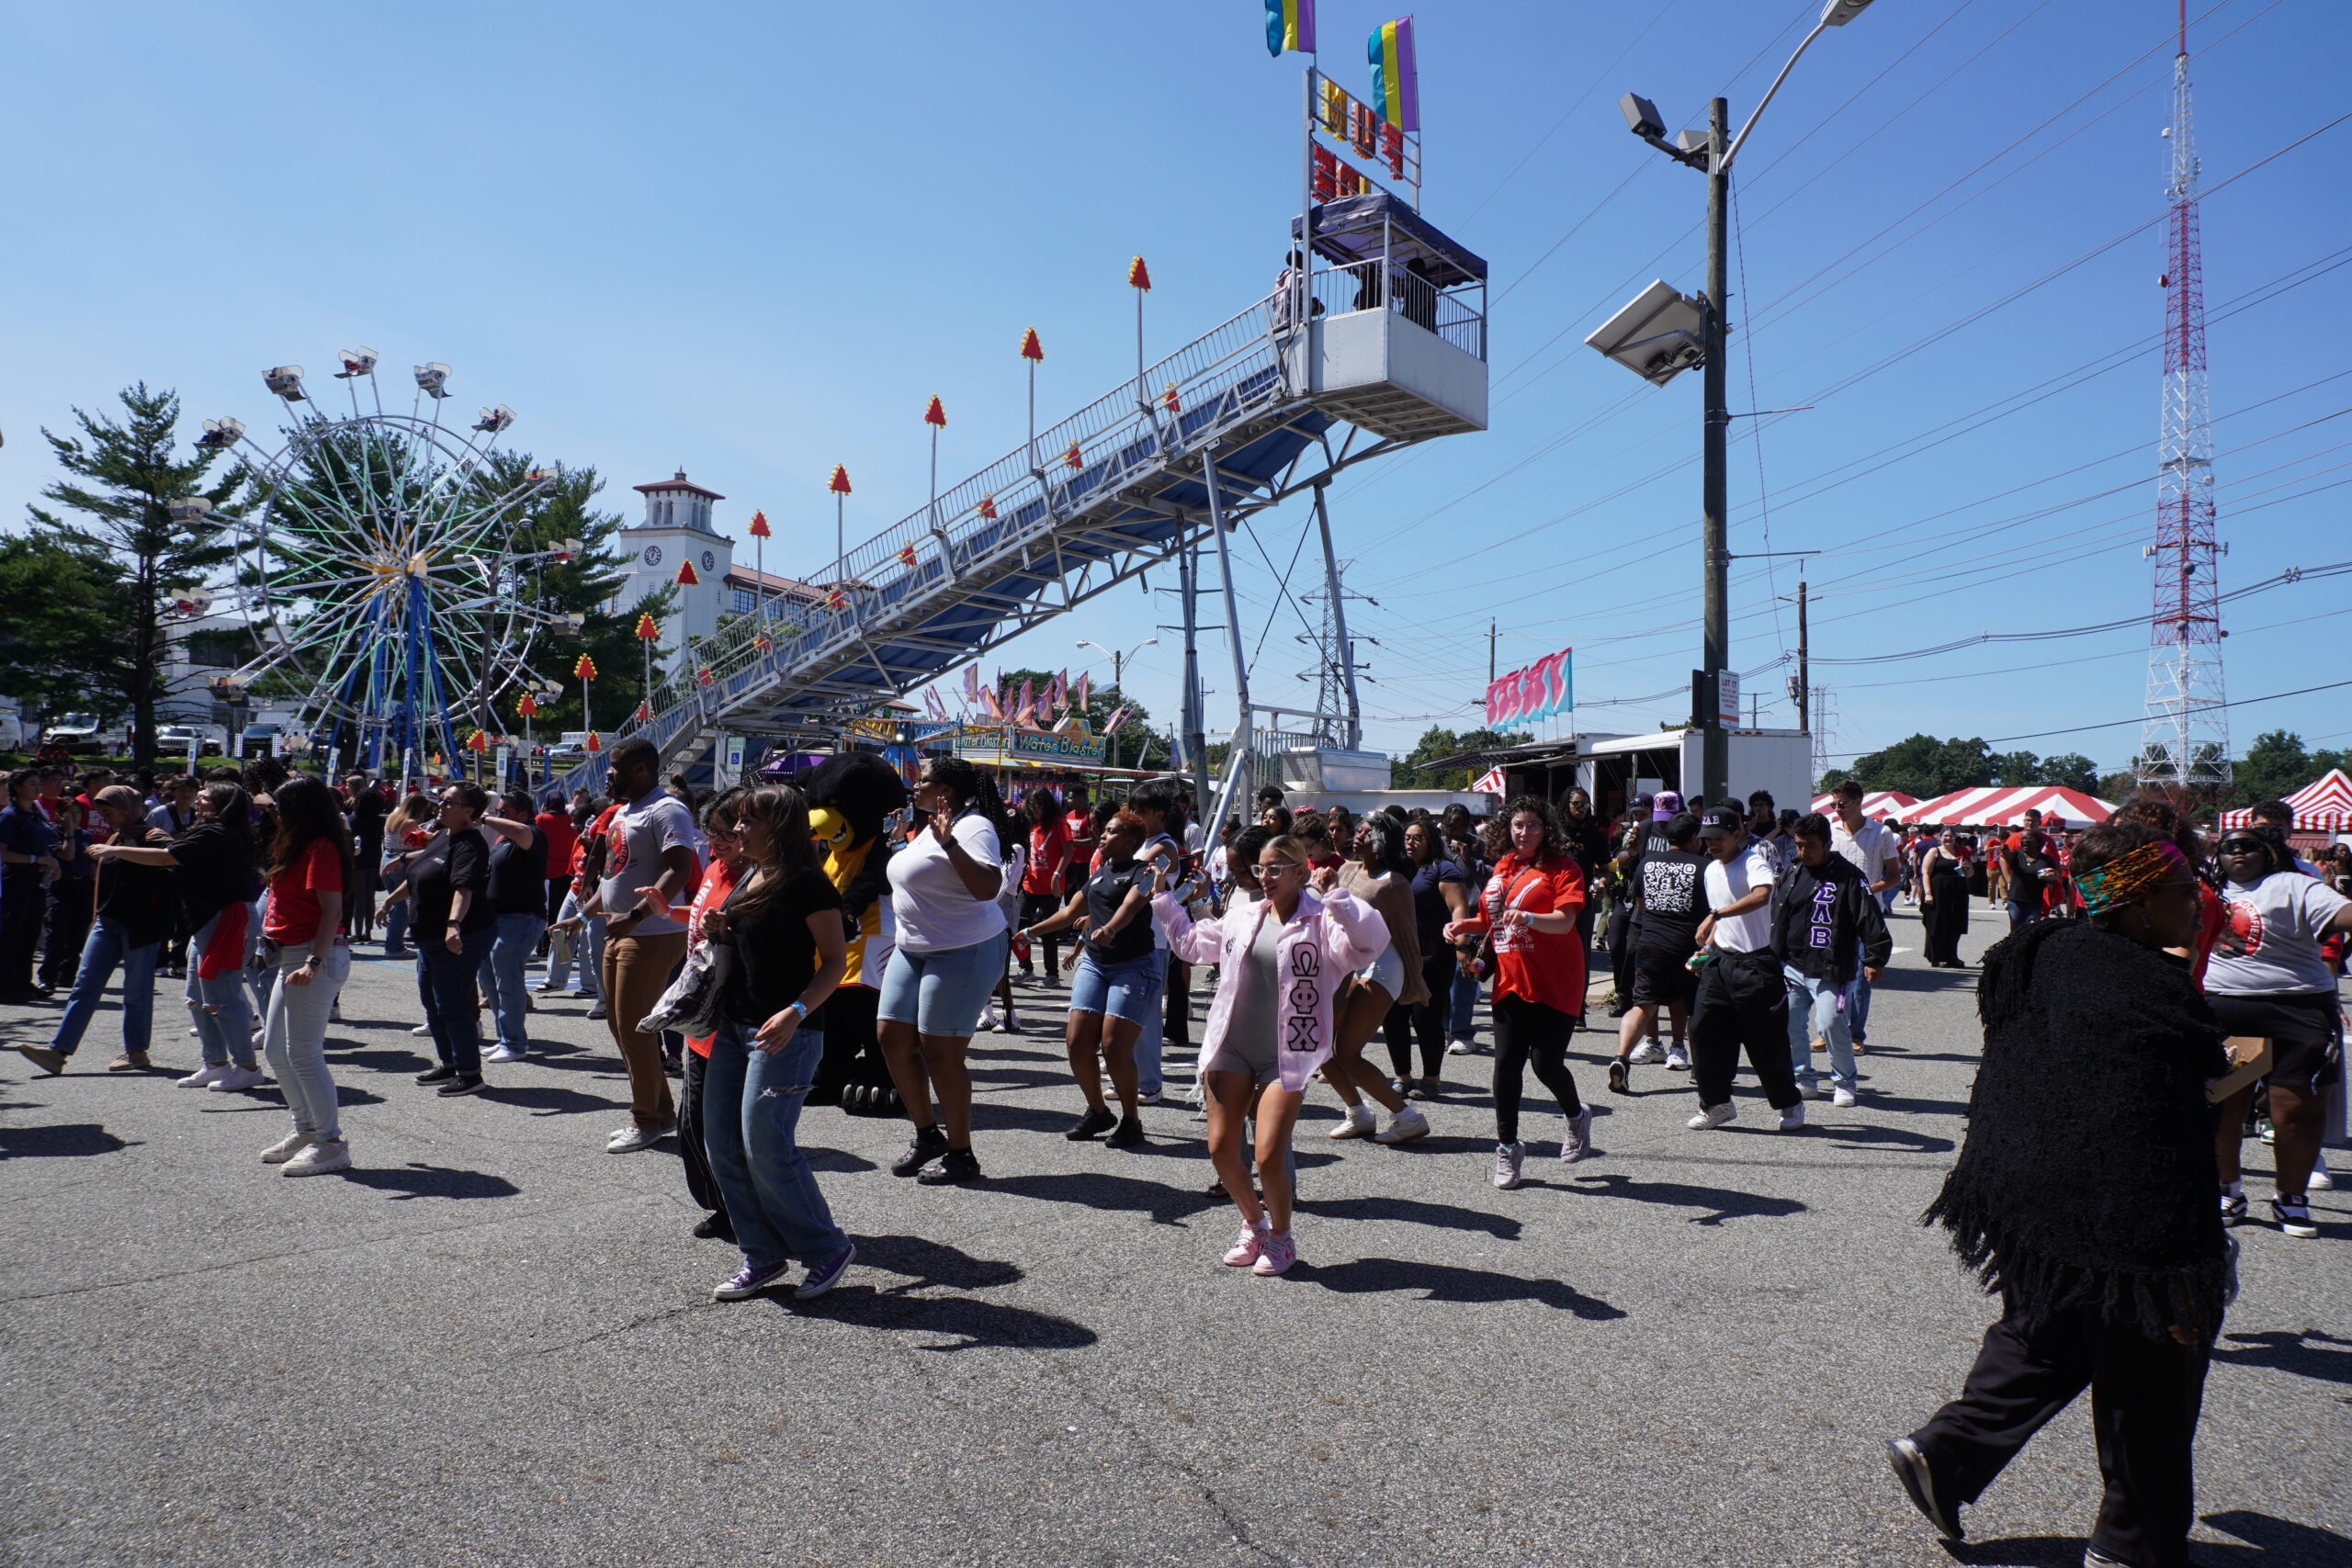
point(1522, 698)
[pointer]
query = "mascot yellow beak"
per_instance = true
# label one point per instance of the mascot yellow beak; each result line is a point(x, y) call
point(830, 827)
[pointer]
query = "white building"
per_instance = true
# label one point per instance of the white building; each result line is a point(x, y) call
point(678, 530)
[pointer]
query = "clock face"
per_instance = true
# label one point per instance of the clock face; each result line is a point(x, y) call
point(711, 560)
point(652, 555)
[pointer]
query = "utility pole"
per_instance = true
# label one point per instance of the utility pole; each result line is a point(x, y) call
point(1714, 541)
point(1804, 668)
point(1490, 653)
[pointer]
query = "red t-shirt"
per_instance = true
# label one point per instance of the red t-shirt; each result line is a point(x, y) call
point(1048, 847)
point(717, 884)
point(291, 916)
point(563, 842)
point(1537, 965)
point(580, 883)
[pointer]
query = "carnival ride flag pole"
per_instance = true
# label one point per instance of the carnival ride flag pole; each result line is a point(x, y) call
point(839, 485)
point(760, 567)
point(1139, 279)
point(1033, 350)
point(934, 416)
point(649, 631)
point(526, 710)
point(585, 672)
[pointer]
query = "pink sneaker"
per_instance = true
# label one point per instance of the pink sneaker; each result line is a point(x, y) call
point(1245, 1248)
point(1278, 1253)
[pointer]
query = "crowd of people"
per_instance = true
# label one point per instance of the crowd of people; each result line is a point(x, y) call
point(712, 942)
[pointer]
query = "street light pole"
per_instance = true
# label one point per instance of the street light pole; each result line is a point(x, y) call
point(1714, 540)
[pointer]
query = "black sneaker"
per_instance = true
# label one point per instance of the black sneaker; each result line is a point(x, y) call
point(1920, 1485)
point(441, 1074)
point(1128, 1135)
point(929, 1144)
point(2293, 1215)
point(2233, 1208)
point(1093, 1125)
point(1619, 1076)
point(714, 1227)
point(460, 1083)
point(954, 1166)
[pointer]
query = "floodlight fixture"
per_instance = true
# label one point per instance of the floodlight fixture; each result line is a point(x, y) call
point(569, 547)
point(357, 362)
point(431, 379)
point(221, 434)
point(189, 509)
point(1692, 141)
point(285, 381)
point(1837, 13)
point(495, 420)
point(1641, 116)
point(1657, 336)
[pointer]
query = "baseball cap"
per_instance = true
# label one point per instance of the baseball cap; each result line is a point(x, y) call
point(1719, 822)
point(1665, 806)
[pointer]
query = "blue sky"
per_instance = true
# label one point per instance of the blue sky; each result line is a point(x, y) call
point(752, 240)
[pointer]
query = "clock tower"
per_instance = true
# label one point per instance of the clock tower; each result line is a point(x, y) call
point(677, 531)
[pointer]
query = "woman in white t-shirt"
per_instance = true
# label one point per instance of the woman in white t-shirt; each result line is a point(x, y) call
point(2267, 980)
point(945, 889)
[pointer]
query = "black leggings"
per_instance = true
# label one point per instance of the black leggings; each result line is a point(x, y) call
point(1427, 1020)
point(1528, 1031)
point(1035, 906)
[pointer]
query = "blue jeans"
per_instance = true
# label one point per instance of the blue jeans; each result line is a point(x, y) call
point(2022, 916)
point(751, 1108)
point(1814, 1012)
point(942, 992)
point(106, 948)
point(559, 958)
point(513, 939)
point(1857, 989)
point(1463, 1023)
point(225, 1020)
point(1154, 1033)
point(444, 983)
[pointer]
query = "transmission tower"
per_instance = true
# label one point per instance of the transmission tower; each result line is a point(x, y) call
point(1824, 739)
point(2184, 731)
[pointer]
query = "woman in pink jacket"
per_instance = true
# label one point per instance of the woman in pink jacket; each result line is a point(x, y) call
point(1279, 961)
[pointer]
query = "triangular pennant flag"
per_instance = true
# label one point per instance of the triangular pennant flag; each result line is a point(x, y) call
point(528, 707)
point(585, 670)
point(647, 628)
point(760, 526)
point(935, 413)
point(1138, 276)
point(644, 712)
point(1028, 695)
point(839, 483)
point(971, 682)
point(987, 506)
point(1030, 347)
point(687, 577)
point(593, 743)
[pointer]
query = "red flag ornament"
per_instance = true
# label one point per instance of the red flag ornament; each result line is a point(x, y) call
point(1138, 276)
point(1030, 347)
point(760, 526)
point(646, 627)
point(585, 670)
point(936, 413)
point(907, 554)
point(687, 577)
point(839, 483)
point(987, 506)
point(528, 707)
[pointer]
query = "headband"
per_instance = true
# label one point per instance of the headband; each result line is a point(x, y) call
point(2125, 879)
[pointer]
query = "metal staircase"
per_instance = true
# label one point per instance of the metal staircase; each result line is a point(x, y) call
point(1262, 409)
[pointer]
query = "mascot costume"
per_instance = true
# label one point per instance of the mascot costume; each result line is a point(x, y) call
point(849, 799)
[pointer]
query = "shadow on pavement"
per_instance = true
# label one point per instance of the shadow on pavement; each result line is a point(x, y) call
point(836, 1161)
point(1718, 1203)
point(1441, 1282)
point(1444, 1216)
point(379, 1061)
point(419, 1181)
point(925, 1262)
point(2273, 1543)
point(545, 1100)
point(976, 1324)
point(1862, 1136)
point(1125, 1194)
point(2302, 1352)
point(73, 1140)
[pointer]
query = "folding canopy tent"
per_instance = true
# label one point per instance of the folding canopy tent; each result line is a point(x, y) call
point(2323, 806)
point(1882, 806)
point(2001, 806)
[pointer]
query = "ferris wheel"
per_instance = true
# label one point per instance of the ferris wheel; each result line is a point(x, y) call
point(385, 572)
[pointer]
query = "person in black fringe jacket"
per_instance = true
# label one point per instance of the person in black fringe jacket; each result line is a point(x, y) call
point(2084, 1195)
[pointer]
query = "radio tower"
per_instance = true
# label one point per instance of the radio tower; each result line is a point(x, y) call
point(2184, 734)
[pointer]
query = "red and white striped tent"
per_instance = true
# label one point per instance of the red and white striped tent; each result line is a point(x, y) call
point(2323, 806)
point(1884, 806)
point(1997, 805)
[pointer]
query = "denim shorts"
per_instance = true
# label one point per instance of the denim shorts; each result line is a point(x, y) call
point(942, 992)
point(1387, 971)
point(1130, 990)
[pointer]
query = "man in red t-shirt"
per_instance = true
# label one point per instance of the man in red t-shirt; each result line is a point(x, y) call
point(588, 874)
point(1041, 880)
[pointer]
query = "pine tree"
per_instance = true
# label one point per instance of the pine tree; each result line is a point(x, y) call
point(124, 480)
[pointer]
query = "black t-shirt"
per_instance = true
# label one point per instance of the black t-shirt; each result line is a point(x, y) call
point(368, 813)
point(142, 897)
point(1431, 912)
point(1105, 891)
point(518, 875)
point(1672, 892)
point(448, 863)
point(216, 869)
point(776, 956)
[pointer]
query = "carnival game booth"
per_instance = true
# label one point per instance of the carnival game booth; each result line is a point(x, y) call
point(2323, 806)
point(1998, 806)
point(1879, 805)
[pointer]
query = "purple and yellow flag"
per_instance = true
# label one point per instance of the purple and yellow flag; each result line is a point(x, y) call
point(1290, 24)
point(1396, 83)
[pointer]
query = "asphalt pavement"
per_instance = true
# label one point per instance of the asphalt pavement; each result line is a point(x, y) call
point(491, 1343)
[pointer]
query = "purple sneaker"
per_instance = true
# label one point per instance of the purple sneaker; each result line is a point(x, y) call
point(828, 1274)
point(747, 1282)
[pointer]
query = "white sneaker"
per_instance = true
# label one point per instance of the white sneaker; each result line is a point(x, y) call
point(1793, 1118)
point(286, 1147)
point(421, 1029)
point(1508, 1158)
point(1677, 1060)
point(1576, 1142)
point(1811, 1089)
point(1843, 1098)
point(1404, 1127)
point(2321, 1181)
point(319, 1159)
point(629, 1140)
point(988, 1018)
point(232, 1079)
point(502, 1055)
point(1357, 1123)
point(1645, 1053)
point(1459, 1046)
point(203, 1075)
point(1711, 1116)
